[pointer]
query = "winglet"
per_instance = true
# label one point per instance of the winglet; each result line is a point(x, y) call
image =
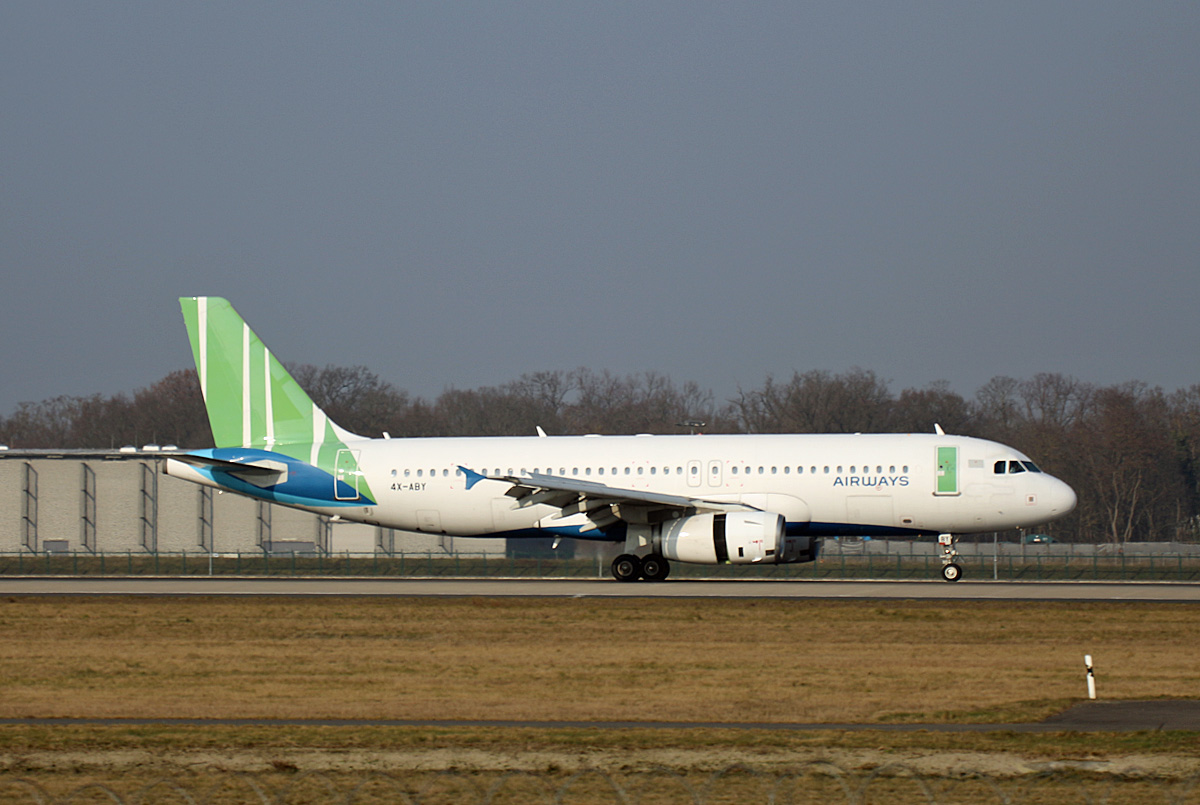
point(472, 476)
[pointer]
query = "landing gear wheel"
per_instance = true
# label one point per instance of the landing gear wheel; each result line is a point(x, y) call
point(950, 570)
point(655, 567)
point(626, 567)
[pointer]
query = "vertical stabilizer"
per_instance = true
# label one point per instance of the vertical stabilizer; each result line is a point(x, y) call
point(251, 399)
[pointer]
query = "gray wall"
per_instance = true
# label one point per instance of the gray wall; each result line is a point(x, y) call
point(122, 482)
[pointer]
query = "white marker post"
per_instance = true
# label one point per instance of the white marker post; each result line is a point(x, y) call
point(1091, 676)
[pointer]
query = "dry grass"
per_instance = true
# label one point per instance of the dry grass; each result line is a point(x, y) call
point(582, 659)
point(815, 785)
point(585, 659)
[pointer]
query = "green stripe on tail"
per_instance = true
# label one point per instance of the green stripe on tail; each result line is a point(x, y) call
point(251, 399)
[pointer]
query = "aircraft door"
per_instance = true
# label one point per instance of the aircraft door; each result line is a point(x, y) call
point(694, 469)
point(345, 476)
point(947, 471)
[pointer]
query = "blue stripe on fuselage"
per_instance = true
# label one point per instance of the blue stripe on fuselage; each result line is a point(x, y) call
point(306, 485)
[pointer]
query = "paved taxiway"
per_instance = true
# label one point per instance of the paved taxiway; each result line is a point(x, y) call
point(1086, 717)
point(582, 588)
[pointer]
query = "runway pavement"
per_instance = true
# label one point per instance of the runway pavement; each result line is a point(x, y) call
point(580, 588)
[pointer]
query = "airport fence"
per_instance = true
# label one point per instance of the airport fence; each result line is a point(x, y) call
point(810, 783)
point(1179, 567)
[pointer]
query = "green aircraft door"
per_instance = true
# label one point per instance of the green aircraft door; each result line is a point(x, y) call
point(947, 471)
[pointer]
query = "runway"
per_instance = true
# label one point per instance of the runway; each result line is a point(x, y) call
point(602, 588)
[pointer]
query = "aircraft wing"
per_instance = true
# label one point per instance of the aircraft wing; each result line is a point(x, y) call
point(602, 505)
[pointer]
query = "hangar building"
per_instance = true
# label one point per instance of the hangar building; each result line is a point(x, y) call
point(119, 501)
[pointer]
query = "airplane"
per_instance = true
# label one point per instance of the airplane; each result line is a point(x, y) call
point(706, 499)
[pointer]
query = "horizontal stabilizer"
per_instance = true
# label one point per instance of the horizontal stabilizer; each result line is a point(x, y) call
point(228, 466)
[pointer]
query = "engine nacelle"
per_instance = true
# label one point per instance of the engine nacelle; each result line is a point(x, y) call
point(740, 538)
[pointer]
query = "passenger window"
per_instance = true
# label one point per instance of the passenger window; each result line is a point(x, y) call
point(588, 471)
point(826, 470)
point(734, 470)
point(679, 470)
point(695, 470)
point(714, 469)
point(601, 470)
point(892, 469)
point(574, 470)
point(626, 470)
point(879, 470)
point(406, 472)
point(787, 470)
point(446, 473)
point(641, 470)
point(774, 470)
point(904, 469)
point(420, 473)
point(852, 471)
point(839, 470)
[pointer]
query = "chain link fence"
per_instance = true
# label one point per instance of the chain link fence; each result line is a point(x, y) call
point(1040, 566)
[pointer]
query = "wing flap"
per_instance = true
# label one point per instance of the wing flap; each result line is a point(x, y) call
point(599, 504)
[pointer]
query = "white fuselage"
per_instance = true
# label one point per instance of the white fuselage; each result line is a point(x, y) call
point(821, 484)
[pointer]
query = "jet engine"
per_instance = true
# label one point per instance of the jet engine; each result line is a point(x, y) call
point(740, 538)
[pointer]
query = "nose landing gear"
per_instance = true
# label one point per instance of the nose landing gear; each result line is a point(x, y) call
point(950, 569)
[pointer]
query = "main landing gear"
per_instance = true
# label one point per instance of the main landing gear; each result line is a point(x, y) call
point(950, 569)
point(651, 567)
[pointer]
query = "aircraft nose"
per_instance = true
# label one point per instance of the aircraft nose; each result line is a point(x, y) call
point(1062, 498)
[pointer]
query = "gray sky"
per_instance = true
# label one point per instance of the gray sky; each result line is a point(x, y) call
point(453, 194)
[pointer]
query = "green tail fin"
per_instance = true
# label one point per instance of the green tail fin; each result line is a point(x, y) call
point(252, 401)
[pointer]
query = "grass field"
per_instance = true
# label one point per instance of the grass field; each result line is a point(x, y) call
point(574, 659)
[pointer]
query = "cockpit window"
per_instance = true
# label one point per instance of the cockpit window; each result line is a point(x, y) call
point(1000, 467)
point(1014, 467)
point(1029, 465)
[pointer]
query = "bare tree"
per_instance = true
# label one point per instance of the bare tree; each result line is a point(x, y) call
point(817, 402)
point(918, 410)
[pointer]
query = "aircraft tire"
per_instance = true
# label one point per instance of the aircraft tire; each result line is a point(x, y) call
point(655, 568)
point(951, 572)
point(627, 567)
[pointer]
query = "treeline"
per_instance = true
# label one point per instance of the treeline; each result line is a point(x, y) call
point(1132, 452)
